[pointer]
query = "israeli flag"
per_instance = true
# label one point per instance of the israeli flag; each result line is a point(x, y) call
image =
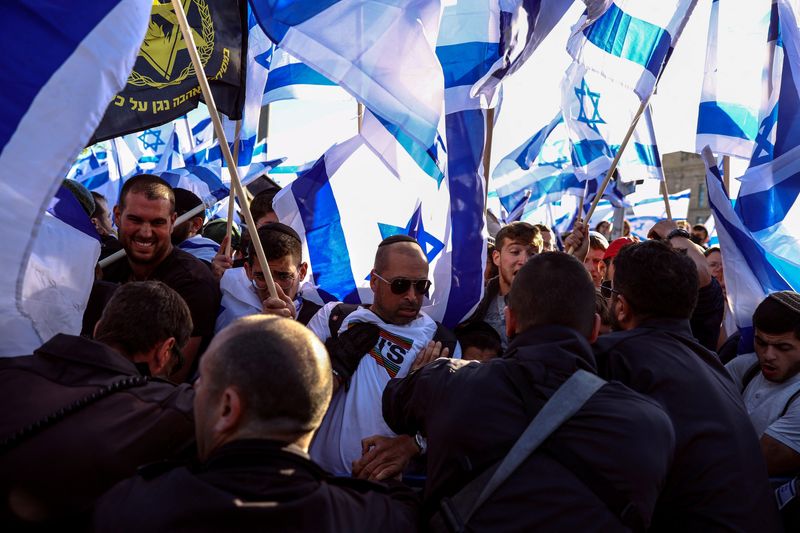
point(51, 104)
point(738, 44)
point(107, 179)
point(349, 41)
point(646, 211)
point(341, 227)
point(755, 264)
point(291, 79)
point(631, 42)
point(523, 25)
point(597, 114)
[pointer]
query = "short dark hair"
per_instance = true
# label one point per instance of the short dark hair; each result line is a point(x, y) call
point(153, 188)
point(385, 246)
point(185, 201)
point(518, 232)
point(99, 210)
point(700, 227)
point(478, 334)
point(277, 243)
point(554, 289)
point(595, 243)
point(656, 280)
point(274, 364)
point(262, 204)
point(141, 314)
point(711, 250)
point(775, 317)
point(542, 228)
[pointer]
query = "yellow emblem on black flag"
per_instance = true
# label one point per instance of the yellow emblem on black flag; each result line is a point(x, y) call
point(163, 85)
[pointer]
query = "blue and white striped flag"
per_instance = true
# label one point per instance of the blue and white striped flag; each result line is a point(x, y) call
point(50, 105)
point(755, 265)
point(738, 45)
point(523, 25)
point(349, 41)
point(597, 114)
point(646, 212)
point(631, 42)
point(291, 79)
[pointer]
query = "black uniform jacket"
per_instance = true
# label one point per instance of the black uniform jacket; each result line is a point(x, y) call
point(718, 481)
point(254, 485)
point(472, 413)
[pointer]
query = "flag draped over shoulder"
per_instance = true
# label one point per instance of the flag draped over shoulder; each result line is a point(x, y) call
point(50, 105)
point(163, 85)
point(738, 45)
point(350, 42)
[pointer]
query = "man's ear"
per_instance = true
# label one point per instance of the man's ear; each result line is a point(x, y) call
point(511, 322)
point(248, 270)
point(623, 311)
point(496, 257)
point(595, 329)
point(197, 225)
point(230, 415)
point(373, 281)
point(301, 271)
point(160, 360)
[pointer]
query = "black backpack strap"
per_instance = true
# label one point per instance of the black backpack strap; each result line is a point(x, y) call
point(128, 382)
point(337, 316)
point(748, 376)
point(790, 401)
point(307, 311)
point(446, 337)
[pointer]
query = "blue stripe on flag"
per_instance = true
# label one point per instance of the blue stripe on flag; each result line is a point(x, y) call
point(647, 154)
point(25, 74)
point(630, 38)
point(327, 246)
point(295, 74)
point(466, 63)
point(465, 137)
point(586, 151)
point(291, 14)
point(732, 120)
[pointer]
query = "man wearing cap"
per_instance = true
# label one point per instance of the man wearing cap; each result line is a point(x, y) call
point(368, 346)
point(770, 380)
point(244, 289)
point(608, 260)
point(186, 236)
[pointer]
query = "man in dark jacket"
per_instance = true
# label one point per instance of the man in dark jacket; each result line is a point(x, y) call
point(600, 471)
point(264, 385)
point(80, 415)
point(718, 480)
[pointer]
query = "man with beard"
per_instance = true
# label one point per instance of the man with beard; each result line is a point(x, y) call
point(770, 381)
point(396, 337)
point(514, 245)
point(145, 217)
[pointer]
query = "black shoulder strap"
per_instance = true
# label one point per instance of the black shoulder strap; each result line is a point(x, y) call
point(446, 337)
point(30, 430)
point(338, 314)
point(307, 311)
point(790, 401)
point(751, 373)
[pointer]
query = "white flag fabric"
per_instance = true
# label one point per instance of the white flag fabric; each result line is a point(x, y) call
point(51, 104)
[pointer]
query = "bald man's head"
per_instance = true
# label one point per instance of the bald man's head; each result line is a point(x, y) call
point(280, 373)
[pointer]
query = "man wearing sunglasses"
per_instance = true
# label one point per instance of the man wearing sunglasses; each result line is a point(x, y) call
point(369, 346)
point(244, 289)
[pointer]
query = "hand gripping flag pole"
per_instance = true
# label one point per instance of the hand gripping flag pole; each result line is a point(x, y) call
point(223, 142)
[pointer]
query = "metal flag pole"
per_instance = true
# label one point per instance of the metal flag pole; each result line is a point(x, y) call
point(223, 142)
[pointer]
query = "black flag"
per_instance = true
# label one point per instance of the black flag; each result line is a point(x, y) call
point(163, 85)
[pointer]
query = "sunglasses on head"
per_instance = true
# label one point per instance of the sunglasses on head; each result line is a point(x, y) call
point(401, 285)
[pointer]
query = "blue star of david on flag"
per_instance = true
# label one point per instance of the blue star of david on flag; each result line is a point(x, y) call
point(154, 143)
point(415, 228)
point(560, 161)
point(764, 149)
point(582, 93)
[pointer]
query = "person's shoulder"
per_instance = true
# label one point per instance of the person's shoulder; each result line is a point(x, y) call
point(739, 365)
point(183, 264)
point(619, 340)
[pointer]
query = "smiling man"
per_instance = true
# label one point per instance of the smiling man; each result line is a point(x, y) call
point(770, 381)
point(145, 217)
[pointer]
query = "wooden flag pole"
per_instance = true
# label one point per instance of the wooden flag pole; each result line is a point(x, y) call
point(615, 161)
point(360, 115)
point(232, 197)
point(223, 142)
point(665, 192)
point(487, 155)
point(726, 173)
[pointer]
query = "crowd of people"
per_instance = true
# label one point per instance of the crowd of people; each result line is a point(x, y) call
point(605, 389)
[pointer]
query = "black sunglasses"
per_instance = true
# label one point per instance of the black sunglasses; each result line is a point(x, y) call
point(401, 285)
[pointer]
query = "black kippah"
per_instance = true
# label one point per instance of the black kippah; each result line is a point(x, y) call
point(397, 238)
point(281, 228)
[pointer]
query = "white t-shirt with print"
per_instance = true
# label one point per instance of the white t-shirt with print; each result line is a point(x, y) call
point(356, 413)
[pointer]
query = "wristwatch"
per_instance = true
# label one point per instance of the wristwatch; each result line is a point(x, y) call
point(678, 232)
